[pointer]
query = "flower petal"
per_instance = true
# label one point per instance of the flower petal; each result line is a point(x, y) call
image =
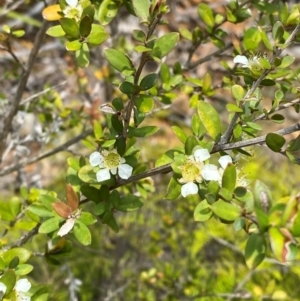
point(241, 59)
point(23, 285)
point(66, 227)
point(125, 171)
point(201, 154)
point(22, 297)
point(225, 160)
point(96, 158)
point(114, 170)
point(72, 2)
point(103, 175)
point(189, 188)
point(210, 172)
point(2, 287)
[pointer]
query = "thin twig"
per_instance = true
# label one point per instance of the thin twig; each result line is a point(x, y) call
point(226, 136)
point(281, 107)
point(60, 148)
point(20, 242)
point(144, 59)
point(6, 126)
point(254, 141)
point(30, 98)
point(167, 168)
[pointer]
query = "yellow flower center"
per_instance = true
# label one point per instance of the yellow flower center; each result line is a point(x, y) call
point(112, 160)
point(191, 171)
point(73, 12)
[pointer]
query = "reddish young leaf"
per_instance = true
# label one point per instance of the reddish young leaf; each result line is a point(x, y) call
point(72, 199)
point(62, 209)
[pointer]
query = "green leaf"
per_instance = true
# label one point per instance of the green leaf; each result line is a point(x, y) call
point(179, 133)
point(207, 83)
point(127, 88)
point(82, 233)
point(262, 195)
point(141, 8)
point(210, 119)
point(173, 190)
point(56, 31)
point(164, 73)
point(109, 219)
point(225, 194)
point(107, 11)
point(139, 35)
point(87, 218)
point(141, 49)
point(50, 225)
point(190, 143)
point(268, 82)
point(262, 219)
point(197, 126)
point(277, 118)
point(186, 33)
point(83, 56)
point(278, 31)
point(22, 253)
point(98, 130)
point(238, 92)
point(85, 26)
point(277, 243)
point(117, 59)
point(202, 212)
point(294, 144)
point(40, 210)
point(129, 203)
point(87, 174)
point(255, 251)
point(275, 142)
point(73, 45)
point(206, 14)
point(145, 131)
point(9, 280)
point(98, 35)
point(148, 81)
point(229, 178)
point(47, 200)
point(265, 38)
point(226, 211)
point(144, 103)
point(252, 38)
point(70, 27)
point(233, 108)
point(286, 61)
point(165, 44)
point(23, 269)
point(254, 126)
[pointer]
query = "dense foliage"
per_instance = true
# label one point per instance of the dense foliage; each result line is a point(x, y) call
point(169, 196)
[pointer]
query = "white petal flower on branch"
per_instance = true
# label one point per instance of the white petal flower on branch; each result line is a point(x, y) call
point(110, 162)
point(225, 160)
point(2, 288)
point(21, 288)
point(195, 171)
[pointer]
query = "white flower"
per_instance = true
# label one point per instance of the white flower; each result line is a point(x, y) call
point(22, 287)
point(72, 2)
point(225, 160)
point(241, 59)
point(253, 63)
point(110, 162)
point(73, 10)
point(2, 289)
point(194, 170)
point(69, 224)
